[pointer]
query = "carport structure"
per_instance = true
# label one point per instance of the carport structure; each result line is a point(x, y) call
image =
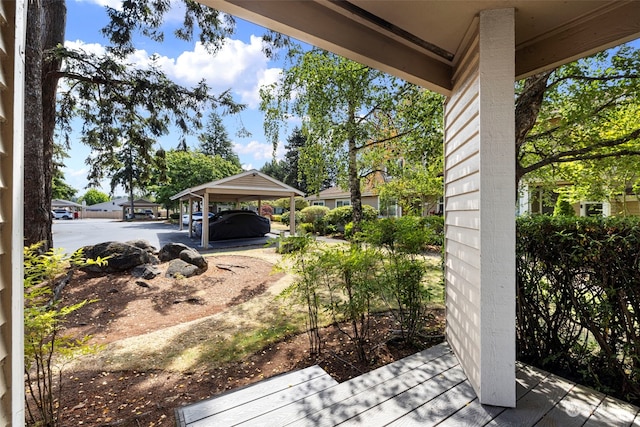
point(248, 186)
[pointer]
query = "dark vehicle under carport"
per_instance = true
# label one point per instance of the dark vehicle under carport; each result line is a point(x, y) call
point(235, 224)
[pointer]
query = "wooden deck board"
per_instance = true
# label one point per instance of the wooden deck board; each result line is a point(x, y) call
point(279, 389)
point(535, 404)
point(425, 389)
point(306, 410)
point(356, 403)
point(407, 401)
point(442, 407)
point(612, 413)
point(576, 407)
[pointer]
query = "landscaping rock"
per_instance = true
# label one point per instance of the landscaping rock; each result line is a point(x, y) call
point(172, 251)
point(193, 257)
point(146, 271)
point(180, 268)
point(144, 245)
point(122, 257)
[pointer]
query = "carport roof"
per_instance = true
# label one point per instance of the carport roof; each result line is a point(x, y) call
point(249, 185)
point(58, 203)
point(140, 203)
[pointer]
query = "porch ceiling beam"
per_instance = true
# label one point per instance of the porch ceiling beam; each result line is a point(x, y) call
point(324, 24)
point(604, 28)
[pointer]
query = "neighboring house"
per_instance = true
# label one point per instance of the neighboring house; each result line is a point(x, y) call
point(111, 209)
point(65, 204)
point(336, 197)
point(534, 200)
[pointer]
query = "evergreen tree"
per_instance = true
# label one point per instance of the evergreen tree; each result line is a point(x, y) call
point(214, 141)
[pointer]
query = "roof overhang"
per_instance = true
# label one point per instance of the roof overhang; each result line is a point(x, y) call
point(247, 186)
point(422, 41)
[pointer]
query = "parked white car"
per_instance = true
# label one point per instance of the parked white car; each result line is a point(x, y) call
point(197, 216)
point(61, 214)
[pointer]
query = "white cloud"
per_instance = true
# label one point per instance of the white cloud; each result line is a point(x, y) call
point(238, 66)
point(94, 48)
point(261, 152)
point(115, 4)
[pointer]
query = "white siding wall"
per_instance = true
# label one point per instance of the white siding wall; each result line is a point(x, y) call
point(480, 210)
point(12, 36)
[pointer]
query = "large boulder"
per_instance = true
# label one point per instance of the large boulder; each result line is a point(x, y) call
point(193, 257)
point(146, 271)
point(172, 251)
point(121, 257)
point(180, 268)
point(148, 247)
point(143, 244)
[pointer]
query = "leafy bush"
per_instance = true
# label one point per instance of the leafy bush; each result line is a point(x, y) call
point(300, 203)
point(285, 217)
point(350, 277)
point(342, 215)
point(402, 239)
point(563, 208)
point(301, 250)
point(578, 283)
point(44, 319)
point(306, 227)
point(312, 213)
point(276, 218)
point(348, 230)
point(174, 215)
point(339, 216)
point(434, 226)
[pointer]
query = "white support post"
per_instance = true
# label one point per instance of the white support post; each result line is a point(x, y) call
point(480, 210)
point(205, 221)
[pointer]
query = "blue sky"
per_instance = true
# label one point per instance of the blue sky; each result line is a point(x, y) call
point(239, 66)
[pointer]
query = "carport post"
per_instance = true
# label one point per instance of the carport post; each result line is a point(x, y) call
point(292, 215)
point(205, 221)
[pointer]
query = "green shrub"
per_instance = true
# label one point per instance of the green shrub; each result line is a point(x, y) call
point(306, 227)
point(313, 213)
point(276, 218)
point(344, 214)
point(300, 203)
point(578, 293)
point(174, 215)
point(350, 278)
point(285, 218)
point(301, 251)
point(44, 341)
point(402, 271)
point(563, 208)
point(330, 229)
point(434, 226)
point(339, 216)
point(348, 230)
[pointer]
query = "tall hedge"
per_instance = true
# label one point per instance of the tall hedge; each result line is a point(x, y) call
point(578, 307)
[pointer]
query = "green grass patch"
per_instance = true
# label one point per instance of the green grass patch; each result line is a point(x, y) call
point(246, 343)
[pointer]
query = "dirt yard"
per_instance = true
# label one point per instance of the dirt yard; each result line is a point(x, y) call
point(153, 333)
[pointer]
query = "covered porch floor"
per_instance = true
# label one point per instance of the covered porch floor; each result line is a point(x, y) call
point(426, 389)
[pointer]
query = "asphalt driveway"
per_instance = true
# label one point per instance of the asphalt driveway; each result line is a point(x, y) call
point(74, 234)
